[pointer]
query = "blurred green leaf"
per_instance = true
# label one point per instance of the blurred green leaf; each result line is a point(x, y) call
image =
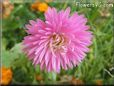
point(17, 49)
point(7, 58)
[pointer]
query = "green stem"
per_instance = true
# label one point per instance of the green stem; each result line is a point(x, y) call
point(65, 5)
point(54, 76)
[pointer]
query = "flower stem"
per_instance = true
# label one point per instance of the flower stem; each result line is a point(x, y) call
point(53, 76)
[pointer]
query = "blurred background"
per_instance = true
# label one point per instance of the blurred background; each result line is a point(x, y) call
point(98, 66)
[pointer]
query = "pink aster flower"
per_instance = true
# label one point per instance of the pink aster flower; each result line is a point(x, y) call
point(61, 41)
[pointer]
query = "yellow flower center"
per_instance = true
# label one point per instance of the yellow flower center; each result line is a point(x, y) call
point(58, 42)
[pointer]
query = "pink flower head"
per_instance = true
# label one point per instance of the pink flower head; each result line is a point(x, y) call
point(61, 41)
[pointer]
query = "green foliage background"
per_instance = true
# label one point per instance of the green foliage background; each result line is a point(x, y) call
point(98, 64)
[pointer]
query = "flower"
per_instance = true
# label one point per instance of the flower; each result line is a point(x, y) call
point(39, 77)
point(71, 80)
point(99, 82)
point(6, 75)
point(7, 8)
point(76, 81)
point(40, 6)
point(61, 41)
